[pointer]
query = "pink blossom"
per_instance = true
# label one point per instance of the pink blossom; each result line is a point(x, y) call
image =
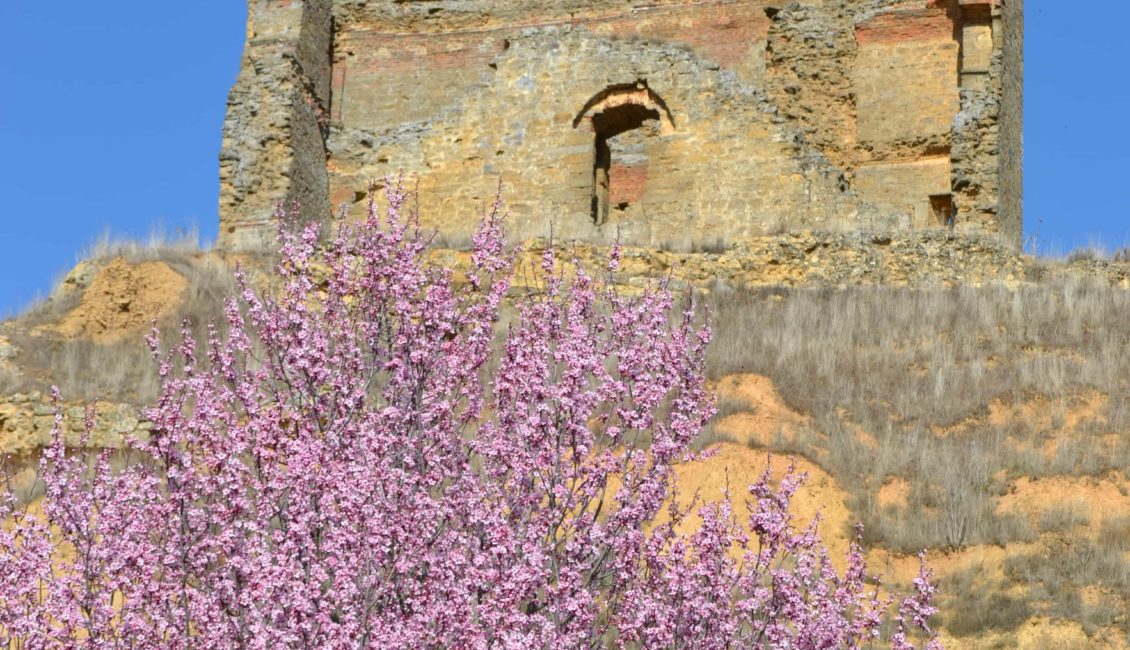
point(362, 462)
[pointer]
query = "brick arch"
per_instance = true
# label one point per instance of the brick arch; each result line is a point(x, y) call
point(620, 165)
point(622, 95)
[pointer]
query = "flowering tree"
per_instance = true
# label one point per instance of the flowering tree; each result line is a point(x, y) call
point(354, 462)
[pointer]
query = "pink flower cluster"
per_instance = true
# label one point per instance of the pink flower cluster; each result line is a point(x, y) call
point(354, 461)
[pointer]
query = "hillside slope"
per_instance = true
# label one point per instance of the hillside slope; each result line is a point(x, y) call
point(973, 406)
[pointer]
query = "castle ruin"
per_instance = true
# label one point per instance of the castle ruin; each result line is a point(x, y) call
point(675, 123)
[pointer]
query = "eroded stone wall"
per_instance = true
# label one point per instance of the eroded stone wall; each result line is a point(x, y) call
point(28, 419)
point(1010, 208)
point(273, 148)
point(976, 141)
point(670, 122)
point(720, 163)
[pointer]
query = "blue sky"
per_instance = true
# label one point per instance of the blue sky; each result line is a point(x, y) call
point(110, 117)
point(1076, 135)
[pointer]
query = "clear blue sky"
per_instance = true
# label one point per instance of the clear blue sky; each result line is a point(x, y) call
point(110, 117)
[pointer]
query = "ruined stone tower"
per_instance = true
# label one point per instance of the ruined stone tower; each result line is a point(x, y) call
point(673, 122)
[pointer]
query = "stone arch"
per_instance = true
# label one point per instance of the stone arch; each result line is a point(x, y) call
point(620, 164)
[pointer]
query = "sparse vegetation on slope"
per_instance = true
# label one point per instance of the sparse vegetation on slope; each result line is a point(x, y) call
point(947, 398)
point(101, 354)
point(958, 419)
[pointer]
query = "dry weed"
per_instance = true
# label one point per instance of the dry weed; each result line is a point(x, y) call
point(122, 370)
point(918, 369)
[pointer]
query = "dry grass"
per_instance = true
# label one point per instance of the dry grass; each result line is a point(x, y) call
point(48, 310)
point(181, 251)
point(918, 370)
point(1115, 534)
point(974, 605)
point(161, 245)
point(1085, 254)
point(1058, 574)
point(9, 380)
point(1064, 517)
point(120, 371)
point(959, 392)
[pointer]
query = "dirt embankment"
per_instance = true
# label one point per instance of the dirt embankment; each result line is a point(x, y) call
point(122, 299)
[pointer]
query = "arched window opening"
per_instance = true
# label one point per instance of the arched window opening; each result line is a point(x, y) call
point(625, 121)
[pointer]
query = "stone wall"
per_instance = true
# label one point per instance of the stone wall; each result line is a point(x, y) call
point(927, 258)
point(670, 122)
point(916, 259)
point(1010, 209)
point(976, 141)
point(27, 419)
point(682, 174)
point(273, 147)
